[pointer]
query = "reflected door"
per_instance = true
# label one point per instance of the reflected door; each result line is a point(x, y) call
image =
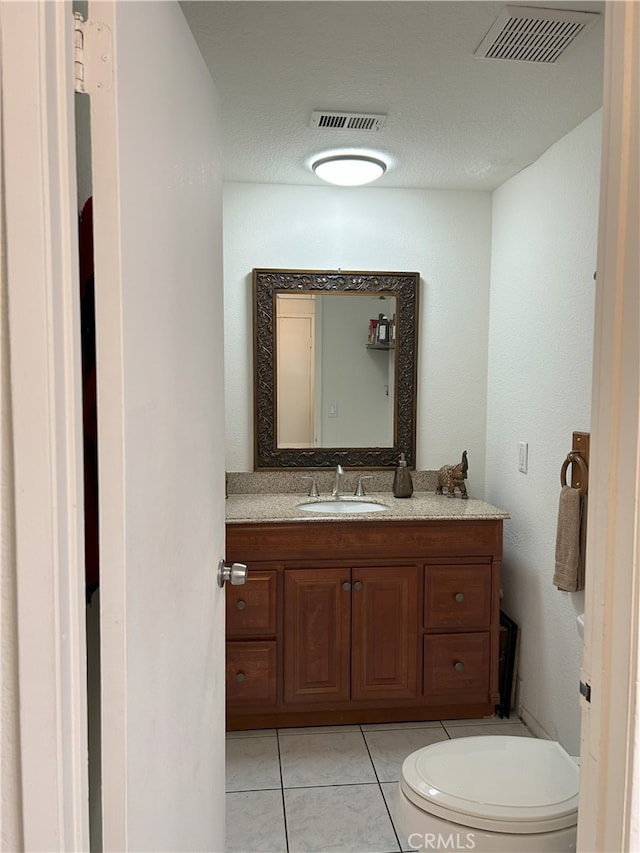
point(295, 403)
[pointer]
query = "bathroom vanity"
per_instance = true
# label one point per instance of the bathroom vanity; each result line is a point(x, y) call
point(362, 618)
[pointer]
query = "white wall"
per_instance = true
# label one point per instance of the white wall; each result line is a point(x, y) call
point(539, 390)
point(443, 235)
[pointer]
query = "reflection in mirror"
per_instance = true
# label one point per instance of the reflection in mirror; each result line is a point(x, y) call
point(335, 368)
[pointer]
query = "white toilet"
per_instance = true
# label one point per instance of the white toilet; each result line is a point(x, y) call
point(495, 793)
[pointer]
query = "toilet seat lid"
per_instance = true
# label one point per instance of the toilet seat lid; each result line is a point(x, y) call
point(503, 783)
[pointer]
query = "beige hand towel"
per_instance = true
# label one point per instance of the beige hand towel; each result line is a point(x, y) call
point(570, 540)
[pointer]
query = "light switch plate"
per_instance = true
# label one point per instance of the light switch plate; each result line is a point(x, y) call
point(523, 456)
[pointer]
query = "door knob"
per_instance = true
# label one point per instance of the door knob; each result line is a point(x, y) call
point(236, 573)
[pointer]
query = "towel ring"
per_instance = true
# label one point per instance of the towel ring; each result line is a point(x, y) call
point(572, 459)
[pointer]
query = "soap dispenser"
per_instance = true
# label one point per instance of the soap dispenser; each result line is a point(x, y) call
point(402, 483)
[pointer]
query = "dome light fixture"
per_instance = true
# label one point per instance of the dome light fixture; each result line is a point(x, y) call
point(349, 170)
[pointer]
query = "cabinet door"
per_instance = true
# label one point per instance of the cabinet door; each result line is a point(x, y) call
point(385, 632)
point(251, 608)
point(457, 596)
point(317, 606)
point(458, 666)
point(251, 672)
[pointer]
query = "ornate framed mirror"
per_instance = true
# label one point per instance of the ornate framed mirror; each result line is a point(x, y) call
point(335, 368)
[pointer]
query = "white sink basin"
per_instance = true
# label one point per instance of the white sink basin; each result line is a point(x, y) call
point(340, 507)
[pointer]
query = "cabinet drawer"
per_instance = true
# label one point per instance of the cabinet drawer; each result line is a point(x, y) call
point(251, 608)
point(457, 596)
point(251, 672)
point(456, 663)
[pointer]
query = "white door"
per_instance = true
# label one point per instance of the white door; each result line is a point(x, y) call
point(295, 322)
point(159, 326)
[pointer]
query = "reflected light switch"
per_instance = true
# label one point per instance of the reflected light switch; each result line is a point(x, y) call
point(333, 410)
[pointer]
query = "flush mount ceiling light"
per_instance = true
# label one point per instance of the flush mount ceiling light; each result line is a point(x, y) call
point(349, 170)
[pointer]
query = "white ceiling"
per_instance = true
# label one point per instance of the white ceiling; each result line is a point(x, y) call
point(454, 121)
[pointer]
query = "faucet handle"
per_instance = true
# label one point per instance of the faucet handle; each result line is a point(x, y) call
point(360, 492)
point(313, 489)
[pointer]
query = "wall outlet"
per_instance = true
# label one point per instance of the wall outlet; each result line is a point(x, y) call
point(523, 456)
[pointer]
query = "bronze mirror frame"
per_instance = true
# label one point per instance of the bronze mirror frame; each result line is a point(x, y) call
point(266, 284)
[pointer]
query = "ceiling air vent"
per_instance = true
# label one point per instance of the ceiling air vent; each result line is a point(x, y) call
point(526, 34)
point(326, 120)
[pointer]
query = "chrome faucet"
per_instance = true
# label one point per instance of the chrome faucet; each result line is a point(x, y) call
point(360, 492)
point(338, 484)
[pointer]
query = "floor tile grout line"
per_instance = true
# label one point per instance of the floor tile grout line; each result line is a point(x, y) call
point(284, 807)
point(384, 799)
point(253, 790)
point(306, 787)
point(238, 735)
point(346, 785)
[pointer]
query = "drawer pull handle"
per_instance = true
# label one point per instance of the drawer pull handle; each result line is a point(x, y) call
point(240, 676)
point(459, 597)
point(240, 605)
point(357, 585)
point(459, 666)
point(346, 586)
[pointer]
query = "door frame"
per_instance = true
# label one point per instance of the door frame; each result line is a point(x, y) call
point(47, 443)
point(46, 422)
point(610, 749)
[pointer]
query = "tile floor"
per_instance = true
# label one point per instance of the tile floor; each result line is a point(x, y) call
point(328, 789)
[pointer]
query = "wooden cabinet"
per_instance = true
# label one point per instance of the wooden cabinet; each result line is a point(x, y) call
point(384, 635)
point(251, 608)
point(350, 633)
point(251, 673)
point(363, 622)
point(251, 648)
point(316, 635)
point(458, 596)
point(457, 666)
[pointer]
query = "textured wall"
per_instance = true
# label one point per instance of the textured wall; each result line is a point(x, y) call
point(443, 235)
point(539, 390)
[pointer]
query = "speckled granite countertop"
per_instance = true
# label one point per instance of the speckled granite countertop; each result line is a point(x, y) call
point(257, 508)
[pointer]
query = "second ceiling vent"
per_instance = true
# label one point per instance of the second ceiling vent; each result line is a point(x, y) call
point(527, 34)
point(329, 120)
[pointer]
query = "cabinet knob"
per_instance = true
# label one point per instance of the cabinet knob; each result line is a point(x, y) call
point(240, 676)
point(459, 666)
point(459, 597)
point(357, 585)
point(346, 586)
point(240, 605)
